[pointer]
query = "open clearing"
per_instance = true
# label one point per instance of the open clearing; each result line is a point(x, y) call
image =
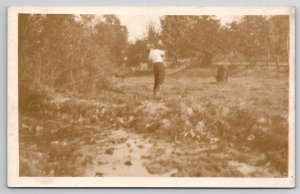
point(198, 128)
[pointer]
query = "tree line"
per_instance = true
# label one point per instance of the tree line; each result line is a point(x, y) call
point(75, 53)
point(78, 53)
point(204, 38)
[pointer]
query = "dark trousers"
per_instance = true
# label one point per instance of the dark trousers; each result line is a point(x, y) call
point(159, 76)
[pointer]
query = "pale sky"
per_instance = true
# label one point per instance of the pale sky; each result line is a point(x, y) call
point(137, 24)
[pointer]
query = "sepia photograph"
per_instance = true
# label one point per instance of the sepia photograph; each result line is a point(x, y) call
point(151, 96)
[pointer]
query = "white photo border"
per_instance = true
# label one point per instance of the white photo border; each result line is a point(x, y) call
point(14, 180)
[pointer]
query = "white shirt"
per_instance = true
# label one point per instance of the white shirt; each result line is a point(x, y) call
point(156, 55)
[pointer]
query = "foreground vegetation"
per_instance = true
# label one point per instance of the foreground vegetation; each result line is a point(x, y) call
point(197, 128)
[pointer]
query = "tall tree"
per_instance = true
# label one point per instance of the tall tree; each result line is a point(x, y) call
point(114, 35)
point(175, 37)
point(204, 35)
point(137, 53)
point(279, 38)
point(190, 36)
point(152, 36)
point(250, 36)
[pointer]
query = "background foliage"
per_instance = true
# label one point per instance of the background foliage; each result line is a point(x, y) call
point(69, 52)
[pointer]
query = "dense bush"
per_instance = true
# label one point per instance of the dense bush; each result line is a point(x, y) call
point(69, 53)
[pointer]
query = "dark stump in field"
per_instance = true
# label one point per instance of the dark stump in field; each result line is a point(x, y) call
point(222, 74)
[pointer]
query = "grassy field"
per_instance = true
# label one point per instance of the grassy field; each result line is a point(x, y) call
point(198, 128)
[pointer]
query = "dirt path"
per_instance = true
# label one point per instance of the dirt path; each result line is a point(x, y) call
point(124, 154)
point(119, 153)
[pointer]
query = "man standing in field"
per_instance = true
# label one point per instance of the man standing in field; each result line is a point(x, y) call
point(156, 56)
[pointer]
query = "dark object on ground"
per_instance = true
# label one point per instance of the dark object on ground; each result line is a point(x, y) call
point(128, 163)
point(110, 151)
point(222, 74)
point(99, 174)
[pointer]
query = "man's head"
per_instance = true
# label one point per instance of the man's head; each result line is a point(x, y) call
point(160, 44)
